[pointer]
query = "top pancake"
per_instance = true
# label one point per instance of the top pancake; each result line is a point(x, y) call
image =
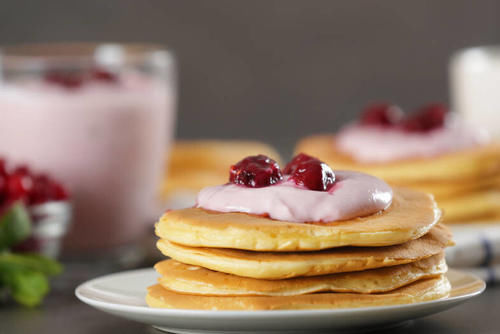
point(466, 164)
point(411, 215)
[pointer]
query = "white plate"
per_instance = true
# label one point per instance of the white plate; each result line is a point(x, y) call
point(123, 294)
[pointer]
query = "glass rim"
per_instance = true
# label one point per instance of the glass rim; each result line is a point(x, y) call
point(81, 54)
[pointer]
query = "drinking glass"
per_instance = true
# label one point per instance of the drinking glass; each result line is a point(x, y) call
point(99, 118)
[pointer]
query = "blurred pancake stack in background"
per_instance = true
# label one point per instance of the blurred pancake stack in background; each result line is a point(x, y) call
point(431, 151)
point(195, 164)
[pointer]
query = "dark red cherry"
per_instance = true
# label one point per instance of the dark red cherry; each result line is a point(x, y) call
point(71, 80)
point(64, 79)
point(22, 169)
point(427, 118)
point(32, 244)
point(59, 192)
point(3, 189)
point(41, 189)
point(310, 172)
point(295, 162)
point(3, 167)
point(103, 75)
point(255, 171)
point(381, 114)
point(44, 189)
point(18, 186)
point(3, 181)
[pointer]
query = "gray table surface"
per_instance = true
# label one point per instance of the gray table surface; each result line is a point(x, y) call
point(63, 313)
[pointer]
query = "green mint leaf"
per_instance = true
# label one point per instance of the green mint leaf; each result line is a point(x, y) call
point(26, 286)
point(15, 225)
point(28, 261)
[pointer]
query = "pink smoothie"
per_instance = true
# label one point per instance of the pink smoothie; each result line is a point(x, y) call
point(353, 195)
point(105, 141)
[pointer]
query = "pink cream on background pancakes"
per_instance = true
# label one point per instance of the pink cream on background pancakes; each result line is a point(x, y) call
point(375, 144)
point(353, 195)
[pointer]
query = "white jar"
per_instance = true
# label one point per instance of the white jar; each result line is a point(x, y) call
point(475, 86)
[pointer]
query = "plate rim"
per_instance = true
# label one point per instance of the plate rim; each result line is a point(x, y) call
point(258, 313)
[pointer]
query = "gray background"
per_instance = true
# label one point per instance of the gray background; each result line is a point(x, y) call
point(276, 70)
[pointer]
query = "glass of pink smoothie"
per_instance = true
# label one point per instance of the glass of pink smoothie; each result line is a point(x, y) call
point(98, 117)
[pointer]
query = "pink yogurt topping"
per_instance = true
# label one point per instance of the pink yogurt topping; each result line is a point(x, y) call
point(374, 144)
point(353, 195)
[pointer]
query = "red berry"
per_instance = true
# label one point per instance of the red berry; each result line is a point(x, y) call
point(3, 181)
point(60, 193)
point(255, 171)
point(427, 118)
point(40, 192)
point(295, 162)
point(44, 190)
point(3, 167)
point(3, 188)
point(68, 80)
point(18, 186)
point(310, 172)
point(32, 245)
point(22, 170)
point(381, 114)
point(102, 75)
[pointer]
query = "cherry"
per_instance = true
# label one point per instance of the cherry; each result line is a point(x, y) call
point(255, 171)
point(40, 192)
point(3, 188)
point(310, 172)
point(381, 114)
point(427, 118)
point(44, 190)
point(22, 184)
point(72, 80)
point(3, 167)
point(32, 244)
point(18, 186)
point(103, 75)
point(22, 170)
point(295, 162)
point(65, 79)
point(60, 193)
point(3, 180)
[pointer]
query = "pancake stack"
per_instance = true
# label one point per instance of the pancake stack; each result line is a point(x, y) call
point(237, 261)
point(466, 184)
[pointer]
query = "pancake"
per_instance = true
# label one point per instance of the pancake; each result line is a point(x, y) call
point(446, 190)
point(279, 265)
point(215, 154)
point(422, 290)
point(195, 164)
point(483, 206)
point(411, 215)
point(194, 180)
point(182, 278)
point(456, 166)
